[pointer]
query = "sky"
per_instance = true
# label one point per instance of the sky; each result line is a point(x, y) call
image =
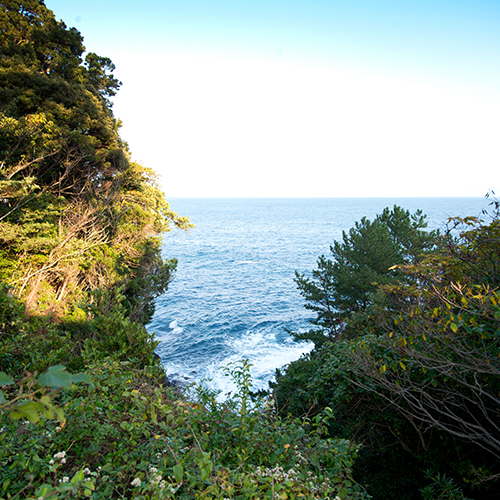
point(304, 98)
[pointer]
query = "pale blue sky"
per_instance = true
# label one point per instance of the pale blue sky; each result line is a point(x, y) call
point(305, 98)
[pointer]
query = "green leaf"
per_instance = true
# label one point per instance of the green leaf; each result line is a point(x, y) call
point(26, 410)
point(78, 477)
point(5, 379)
point(56, 376)
point(43, 490)
point(178, 472)
point(125, 426)
point(65, 487)
point(59, 413)
point(82, 377)
point(204, 473)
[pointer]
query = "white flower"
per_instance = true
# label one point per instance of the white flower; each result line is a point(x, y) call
point(51, 462)
point(136, 482)
point(59, 455)
point(65, 479)
point(86, 470)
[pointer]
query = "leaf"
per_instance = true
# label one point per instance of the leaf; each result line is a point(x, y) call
point(25, 410)
point(43, 490)
point(5, 379)
point(178, 472)
point(126, 426)
point(82, 377)
point(454, 327)
point(56, 376)
point(204, 473)
point(78, 477)
point(59, 413)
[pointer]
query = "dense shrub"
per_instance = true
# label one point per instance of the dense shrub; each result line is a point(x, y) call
point(128, 437)
point(417, 384)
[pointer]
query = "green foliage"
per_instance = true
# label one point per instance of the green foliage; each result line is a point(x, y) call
point(113, 334)
point(130, 438)
point(32, 403)
point(76, 215)
point(441, 488)
point(439, 358)
point(418, 385)
point(367, 258)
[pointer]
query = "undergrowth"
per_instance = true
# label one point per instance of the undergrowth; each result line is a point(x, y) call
point(126, 436)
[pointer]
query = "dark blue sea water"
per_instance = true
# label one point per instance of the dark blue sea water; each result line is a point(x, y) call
point(234, 296)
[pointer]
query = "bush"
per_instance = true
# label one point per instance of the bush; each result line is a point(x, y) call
point(131, 438)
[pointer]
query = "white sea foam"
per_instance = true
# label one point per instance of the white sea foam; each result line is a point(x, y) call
point(174, 327)
point(263, 352)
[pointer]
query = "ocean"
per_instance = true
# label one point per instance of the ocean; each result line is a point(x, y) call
point(234, 295)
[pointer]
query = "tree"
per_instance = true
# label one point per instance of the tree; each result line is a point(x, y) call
point(76, 214)
point(417, 381)
point(367, 257)
point(438, 361)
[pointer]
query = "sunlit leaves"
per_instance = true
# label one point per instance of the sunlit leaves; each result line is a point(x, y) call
point(33, 400)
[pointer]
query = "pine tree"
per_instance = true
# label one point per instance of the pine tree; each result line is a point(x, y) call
point(366, 258)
